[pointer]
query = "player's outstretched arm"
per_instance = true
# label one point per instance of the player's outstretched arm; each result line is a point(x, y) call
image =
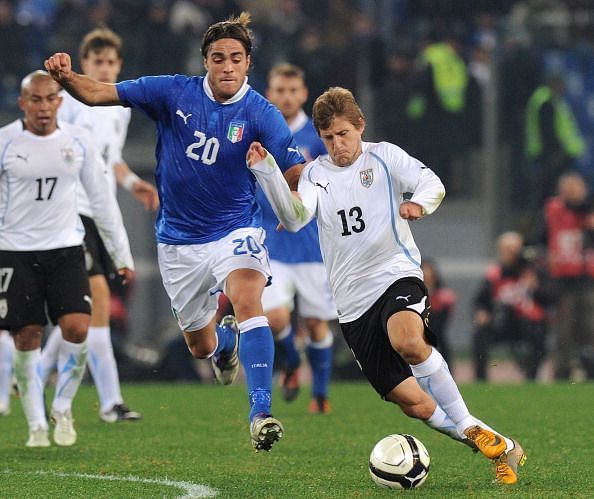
point(289, 209)
point(81, 87)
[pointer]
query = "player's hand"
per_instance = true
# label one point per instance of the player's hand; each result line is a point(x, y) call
point(256, 153)
point(146, 193)
point(411, 211)
point(59, 66)
point(126, 274)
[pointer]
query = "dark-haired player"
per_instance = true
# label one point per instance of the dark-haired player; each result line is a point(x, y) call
point(208, 229)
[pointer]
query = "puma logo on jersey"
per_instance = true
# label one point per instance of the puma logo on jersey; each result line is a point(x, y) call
point(24, 158)
point(183, 116)
point(402, 297)
point(87, 298)
point(293, 149)
point(419, 307)
point(325, 187)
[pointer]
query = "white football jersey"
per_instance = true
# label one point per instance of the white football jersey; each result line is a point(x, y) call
point(40, 177)
point(108, 126)
point(365, 243)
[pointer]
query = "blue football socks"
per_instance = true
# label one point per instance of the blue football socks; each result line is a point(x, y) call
point(320, 360)
point(256, 352)
point(285, 342)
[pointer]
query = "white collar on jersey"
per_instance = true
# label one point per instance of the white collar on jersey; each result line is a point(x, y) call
point(236, 98)
point(298, 122)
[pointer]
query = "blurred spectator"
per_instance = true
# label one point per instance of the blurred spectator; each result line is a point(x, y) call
point(313, 55)
point(37, 17)
point(438, 106)
point(189, 17)
point(553, 140)
point(163, 51)
point(12, 50)
point(569, 219)
point(510, 308)
point(443, 301)
point(519, 75)
point(392, 98)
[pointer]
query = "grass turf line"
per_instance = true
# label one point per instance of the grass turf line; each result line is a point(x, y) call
point(199, 434)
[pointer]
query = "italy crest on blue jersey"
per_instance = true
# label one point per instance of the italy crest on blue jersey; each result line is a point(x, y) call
point(205, 187)
point(235, 132)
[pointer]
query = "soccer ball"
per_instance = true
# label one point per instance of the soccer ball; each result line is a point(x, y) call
point(399, 462)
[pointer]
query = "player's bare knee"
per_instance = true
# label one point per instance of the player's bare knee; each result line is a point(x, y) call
point(278, 319)
point(27, 338)
point(74, 327)
point(410, 346)
point(74, 332)
point(318, 329)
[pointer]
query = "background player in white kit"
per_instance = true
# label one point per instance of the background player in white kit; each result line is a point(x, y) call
point(295, 259)
point(101, 59)
point(42, 261)
point(363, 195)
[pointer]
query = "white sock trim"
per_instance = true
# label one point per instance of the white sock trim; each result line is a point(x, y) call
point(216, 346)
point(429, 366)
point(253, 323)
point(326, 342)
point(284, 333)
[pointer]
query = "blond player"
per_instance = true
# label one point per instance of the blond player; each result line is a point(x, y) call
point(363, 194)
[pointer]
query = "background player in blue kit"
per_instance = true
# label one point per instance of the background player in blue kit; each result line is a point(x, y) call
point(296, 260)
point(208, 228)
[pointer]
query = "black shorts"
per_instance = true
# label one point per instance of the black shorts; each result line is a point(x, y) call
point(97, 258)
point(31, 281)
point(368, 339)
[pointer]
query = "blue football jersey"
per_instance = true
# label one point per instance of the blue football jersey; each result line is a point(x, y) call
point(205, 187)
point(302, 246)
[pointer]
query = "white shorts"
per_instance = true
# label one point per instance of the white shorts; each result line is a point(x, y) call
point(308, 282)
point(195, 274)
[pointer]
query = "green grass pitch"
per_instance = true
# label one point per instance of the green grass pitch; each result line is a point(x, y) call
point(197, 435)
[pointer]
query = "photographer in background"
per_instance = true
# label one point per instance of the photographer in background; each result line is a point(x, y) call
point(569, 238)
point(510, 308)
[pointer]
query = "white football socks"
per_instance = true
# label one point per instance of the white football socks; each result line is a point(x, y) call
point(103, 367)
point(72, 358)
point(6, 360)
point(435, 378)
point(49, 354)
point(30, 387)
point(440, 421)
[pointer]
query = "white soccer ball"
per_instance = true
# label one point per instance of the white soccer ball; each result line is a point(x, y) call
point(399, 462)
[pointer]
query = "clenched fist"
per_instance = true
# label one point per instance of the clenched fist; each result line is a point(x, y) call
point(59, 66)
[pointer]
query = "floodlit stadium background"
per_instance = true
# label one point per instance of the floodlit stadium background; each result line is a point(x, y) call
point(370, 47)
